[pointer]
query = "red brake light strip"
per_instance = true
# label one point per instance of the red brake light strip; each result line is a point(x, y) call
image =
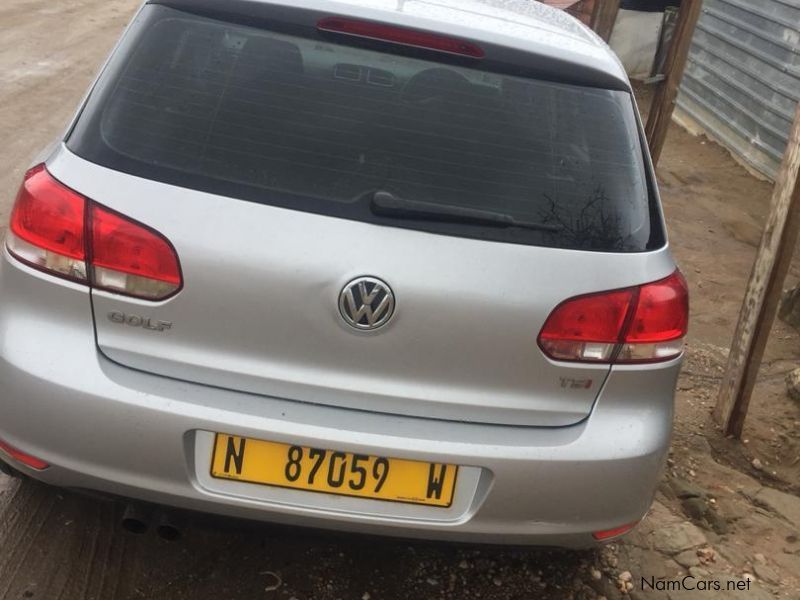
point(400, 35)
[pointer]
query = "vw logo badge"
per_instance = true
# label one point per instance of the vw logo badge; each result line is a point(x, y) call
point(366, 303)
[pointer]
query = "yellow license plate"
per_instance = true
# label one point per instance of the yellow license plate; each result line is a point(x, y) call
point(331, 472)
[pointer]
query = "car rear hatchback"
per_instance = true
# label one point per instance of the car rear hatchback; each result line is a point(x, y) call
point(382, 269)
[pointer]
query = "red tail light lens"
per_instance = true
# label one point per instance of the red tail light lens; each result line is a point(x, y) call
point(130, 258)
point(586, 328)
point(46, 228)
point(642, 324)
point(659, 323)
point(400, 35)
point(661, 312)
point(59, 231)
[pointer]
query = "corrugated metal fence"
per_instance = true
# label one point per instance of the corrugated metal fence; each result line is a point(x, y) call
point(742, 83)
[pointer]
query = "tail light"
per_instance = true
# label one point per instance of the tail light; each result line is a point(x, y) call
point(634, 325)
point(47, 226)
point(58, 231)
point(400, 35)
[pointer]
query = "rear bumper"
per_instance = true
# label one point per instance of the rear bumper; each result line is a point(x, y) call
point(112, 429)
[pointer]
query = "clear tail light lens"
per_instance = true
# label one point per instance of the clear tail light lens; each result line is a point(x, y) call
point(59, 231)
point(634, 325)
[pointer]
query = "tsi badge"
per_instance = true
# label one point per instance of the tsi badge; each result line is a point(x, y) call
point(116, 316)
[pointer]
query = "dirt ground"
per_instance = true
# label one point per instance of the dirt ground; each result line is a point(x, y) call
point(726, 511)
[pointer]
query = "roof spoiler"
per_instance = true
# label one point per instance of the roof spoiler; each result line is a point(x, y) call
point(301, 17)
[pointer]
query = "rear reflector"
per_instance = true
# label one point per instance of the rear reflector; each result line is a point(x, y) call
point(59, 231)
point(635, 325)
point(22, 457)
point(400, 35)
point(602, 536)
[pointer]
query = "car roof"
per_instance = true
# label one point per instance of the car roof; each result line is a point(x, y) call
point(525, 25)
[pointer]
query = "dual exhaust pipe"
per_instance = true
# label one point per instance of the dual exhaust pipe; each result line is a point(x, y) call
point(138, 518)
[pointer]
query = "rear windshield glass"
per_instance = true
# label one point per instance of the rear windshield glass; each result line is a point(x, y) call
point(312, 124)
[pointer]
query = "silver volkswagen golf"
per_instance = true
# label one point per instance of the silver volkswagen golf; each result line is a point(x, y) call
point(383, 266)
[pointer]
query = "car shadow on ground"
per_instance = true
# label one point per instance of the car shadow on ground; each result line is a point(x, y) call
point(61, 544)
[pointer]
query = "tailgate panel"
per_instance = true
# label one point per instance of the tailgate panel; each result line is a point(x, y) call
point(259, 309)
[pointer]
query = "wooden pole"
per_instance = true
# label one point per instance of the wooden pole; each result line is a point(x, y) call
point(763, 292)
point(604, 17)
point(666, 92)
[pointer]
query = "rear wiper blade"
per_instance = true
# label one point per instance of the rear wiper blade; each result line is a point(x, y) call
point(386, 204)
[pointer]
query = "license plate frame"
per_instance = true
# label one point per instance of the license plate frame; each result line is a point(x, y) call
point(369, 477)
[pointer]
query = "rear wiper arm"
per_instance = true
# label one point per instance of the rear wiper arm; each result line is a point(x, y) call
point(386, 204)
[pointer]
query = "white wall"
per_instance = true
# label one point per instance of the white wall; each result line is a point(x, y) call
point(635, 40)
